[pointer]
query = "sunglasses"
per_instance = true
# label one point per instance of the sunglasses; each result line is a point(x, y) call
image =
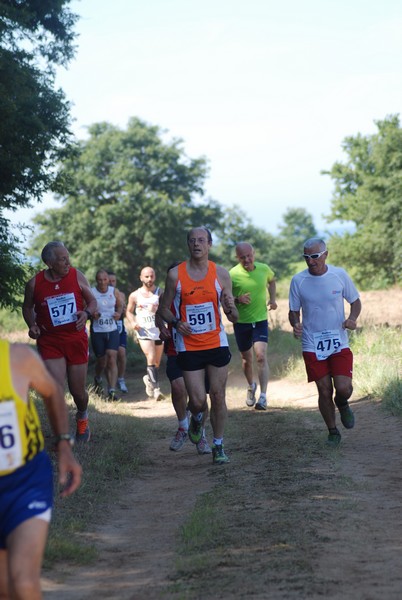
point(315, 255)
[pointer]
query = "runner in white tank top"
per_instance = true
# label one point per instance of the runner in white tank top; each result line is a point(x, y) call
point(141, 308)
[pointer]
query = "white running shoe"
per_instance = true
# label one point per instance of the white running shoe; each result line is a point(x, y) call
point(122, 385)
point(158, 395)
point(149, 388)
point(250, 400)
point(262, 403)
point(203, 447)
point(178, 441)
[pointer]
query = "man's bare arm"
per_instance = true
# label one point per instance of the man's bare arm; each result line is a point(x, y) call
point(272, 295)
point(28, 311)
point(29, 372)
point(227, 300)
point(294, 320)
point(168, 295)
point(355, 310)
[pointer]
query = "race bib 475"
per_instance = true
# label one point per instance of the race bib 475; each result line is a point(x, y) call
point(326, 343)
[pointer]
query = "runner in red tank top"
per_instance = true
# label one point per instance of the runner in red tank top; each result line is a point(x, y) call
point(57, 303)
point(198, 289)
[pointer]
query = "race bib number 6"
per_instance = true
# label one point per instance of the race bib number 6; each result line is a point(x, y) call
point(10, 441)
point(326, 343)
point(201, 317)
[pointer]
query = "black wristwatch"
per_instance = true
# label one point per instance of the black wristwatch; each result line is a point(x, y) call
point(64, 437)
point(174, 322)
point(88, 313)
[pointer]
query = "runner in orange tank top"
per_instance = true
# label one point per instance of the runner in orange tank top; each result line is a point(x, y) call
point(198, 289)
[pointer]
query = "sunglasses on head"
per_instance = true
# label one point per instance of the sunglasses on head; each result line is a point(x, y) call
point(315, 255)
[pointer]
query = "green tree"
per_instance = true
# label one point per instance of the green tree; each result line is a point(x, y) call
point(128, 199)
point(237, 227)
point(296, 228)
point(35, 36)
point(279, 252)
point(13, 271)
point(368, 193)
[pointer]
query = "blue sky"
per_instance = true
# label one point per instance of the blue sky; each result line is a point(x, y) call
point(267, 91)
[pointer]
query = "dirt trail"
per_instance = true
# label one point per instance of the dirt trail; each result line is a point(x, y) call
point(362, 560)
point(359, 551)
point(137, 544)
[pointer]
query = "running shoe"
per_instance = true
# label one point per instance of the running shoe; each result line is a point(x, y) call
point(334, 439)
point(149, 388)
point(203, 447)
point(195, 430)
point(122, 385)
point(347, 417)
point(113, 396)
point(218, 455)
point(82, 433)
point(179, 439)
point(250, 400)
point(98, 386)
point(262, 403)
point(158, 395)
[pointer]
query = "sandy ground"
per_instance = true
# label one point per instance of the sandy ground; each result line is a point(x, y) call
point(358, 555)
point(362, 560)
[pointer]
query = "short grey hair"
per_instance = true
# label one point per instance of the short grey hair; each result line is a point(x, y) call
point(207, 231)
point(47, 254)
point(314, 242)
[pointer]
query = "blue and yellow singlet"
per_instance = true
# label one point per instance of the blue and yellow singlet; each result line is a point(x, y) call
point(21, 436)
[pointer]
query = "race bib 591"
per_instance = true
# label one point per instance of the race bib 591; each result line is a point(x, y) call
point(201, 317)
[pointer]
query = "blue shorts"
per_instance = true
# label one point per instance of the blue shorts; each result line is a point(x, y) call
point(195, 360)
point(25, 493)
point(123, 339)
point(247, 334)
point(104, 341)
point(122, 332)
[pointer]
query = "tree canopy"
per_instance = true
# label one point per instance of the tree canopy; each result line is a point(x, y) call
point(35, 36)
point(128, 198)
point(368, 193)
point(237, 227)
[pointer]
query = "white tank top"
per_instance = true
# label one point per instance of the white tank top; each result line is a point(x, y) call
point(106, 307)
point(145, 310)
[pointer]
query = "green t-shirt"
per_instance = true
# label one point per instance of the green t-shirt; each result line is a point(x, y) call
point(255, 283)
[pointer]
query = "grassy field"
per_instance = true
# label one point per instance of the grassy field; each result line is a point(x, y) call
point(120, 449)
point(250, 519)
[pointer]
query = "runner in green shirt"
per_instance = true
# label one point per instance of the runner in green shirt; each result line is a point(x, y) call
point(251, 280)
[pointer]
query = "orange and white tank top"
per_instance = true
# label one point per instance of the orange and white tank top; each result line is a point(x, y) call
point(198, 303)
point(20, 431)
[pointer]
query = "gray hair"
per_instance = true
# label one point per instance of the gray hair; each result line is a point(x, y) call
point(313, 242)
point(207, 231)
point(243, 244)
point(48, 254)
